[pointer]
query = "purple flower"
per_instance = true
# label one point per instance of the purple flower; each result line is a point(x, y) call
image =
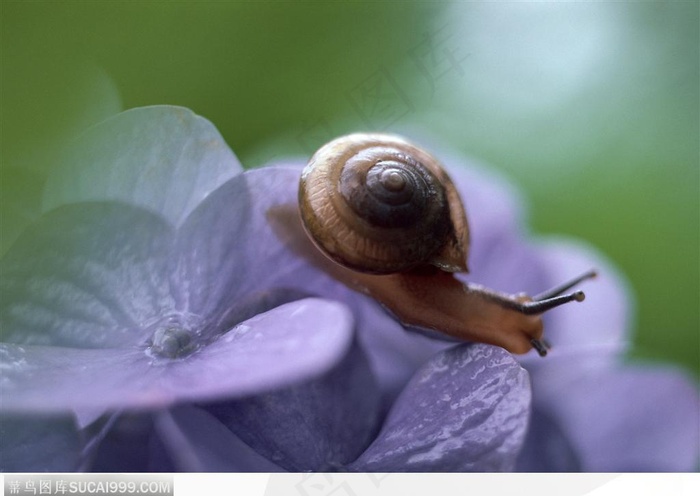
point(159, 316)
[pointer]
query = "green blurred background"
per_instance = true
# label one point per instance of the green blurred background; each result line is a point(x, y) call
point(591, 108)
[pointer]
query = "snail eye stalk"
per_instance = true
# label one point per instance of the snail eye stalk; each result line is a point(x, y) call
point(541, 346)
point(553, 298)
point(556, 291)
point(548, 300)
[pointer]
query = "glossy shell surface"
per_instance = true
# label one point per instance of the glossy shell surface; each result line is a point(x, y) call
point(379, 204)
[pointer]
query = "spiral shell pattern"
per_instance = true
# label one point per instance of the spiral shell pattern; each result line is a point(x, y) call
point(378, 204)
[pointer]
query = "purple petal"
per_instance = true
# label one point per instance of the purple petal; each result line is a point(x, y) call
point(228, 249)
point(546, 447)
point(600, 324)
point(39, 444)
point(500, 256)
point(628, 418)
point(50, 378)
point(466, 410)
point(586, 336)
point(488, 196)
point(394, 352)
point(163, 158)
point(319, 425)
point(87, 275)
point(196, 441)
point(289, 344)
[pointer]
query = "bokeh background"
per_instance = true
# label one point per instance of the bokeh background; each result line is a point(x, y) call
point(591, 108)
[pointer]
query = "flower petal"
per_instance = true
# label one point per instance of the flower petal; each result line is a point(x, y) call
point(39, 444)
point(599, 325)
point(228, 251)
point(289, 344)
point(54, 379)
point(499, 257)
point(395, 353)
point(319, 425)
point(546, 447)
point(196, 441)
point(163, 158)
point(584, 336)
point(86, 276)
point(630, 418)
point(466, 410)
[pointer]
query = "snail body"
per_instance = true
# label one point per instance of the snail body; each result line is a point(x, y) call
point(390, 217)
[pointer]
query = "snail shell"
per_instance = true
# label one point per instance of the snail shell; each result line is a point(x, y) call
point(378, 204)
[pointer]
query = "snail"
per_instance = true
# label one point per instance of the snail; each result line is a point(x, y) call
point(389, 216)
